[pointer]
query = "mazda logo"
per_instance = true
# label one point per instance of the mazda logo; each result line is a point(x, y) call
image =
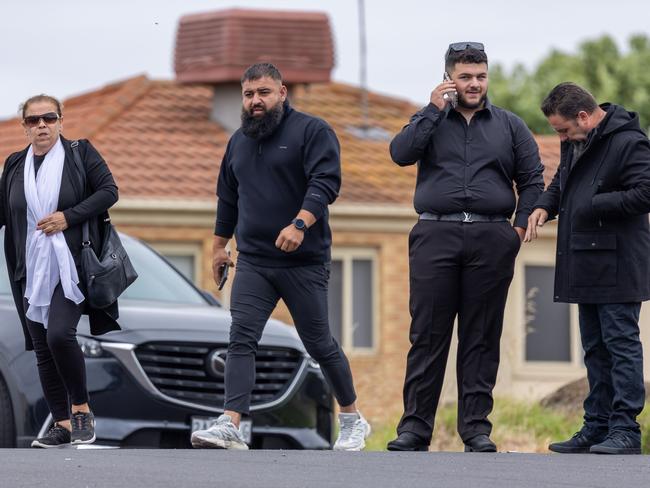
point(216, 364)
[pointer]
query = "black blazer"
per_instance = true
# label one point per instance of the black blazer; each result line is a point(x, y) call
point(78, 205)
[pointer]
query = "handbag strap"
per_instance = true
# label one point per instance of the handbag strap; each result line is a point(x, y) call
point(81, 174)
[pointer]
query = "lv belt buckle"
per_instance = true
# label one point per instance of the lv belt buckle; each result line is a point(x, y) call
point(468, 217)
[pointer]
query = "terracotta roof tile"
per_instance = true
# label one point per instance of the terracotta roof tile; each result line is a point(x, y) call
point(159, 141)
point(549, 148)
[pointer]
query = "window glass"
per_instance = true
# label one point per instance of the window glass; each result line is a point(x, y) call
point(548, 324)
point(362, 303)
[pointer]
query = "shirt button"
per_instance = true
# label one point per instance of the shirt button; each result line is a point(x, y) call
point(557, 297)
point(559, 253)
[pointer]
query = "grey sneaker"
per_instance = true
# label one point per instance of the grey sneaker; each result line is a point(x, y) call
point(57, 436)
point(83, 428)
point(222, 434)
point(353, 432)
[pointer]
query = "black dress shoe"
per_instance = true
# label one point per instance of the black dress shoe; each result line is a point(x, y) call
point(480, 443)
point(408, 441)
point(580, 443)
point(618, 442)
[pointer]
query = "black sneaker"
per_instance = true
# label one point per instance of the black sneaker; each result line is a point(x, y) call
point(618, 442)
point(57, 436)
point(580, 443)
point(83, 428)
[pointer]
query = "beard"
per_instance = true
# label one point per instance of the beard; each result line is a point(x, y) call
point(462, 101)
point(264, 126)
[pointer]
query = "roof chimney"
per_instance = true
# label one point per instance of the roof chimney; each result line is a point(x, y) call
point(217, 47)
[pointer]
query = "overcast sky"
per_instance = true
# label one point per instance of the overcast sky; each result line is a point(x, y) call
point(67, 47)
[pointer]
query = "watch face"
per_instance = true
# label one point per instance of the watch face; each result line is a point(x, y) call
point(299, 223)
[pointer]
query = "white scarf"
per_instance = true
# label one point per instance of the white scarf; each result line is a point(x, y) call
point(47, 258)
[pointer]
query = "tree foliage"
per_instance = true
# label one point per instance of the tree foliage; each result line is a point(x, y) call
point(599, 66)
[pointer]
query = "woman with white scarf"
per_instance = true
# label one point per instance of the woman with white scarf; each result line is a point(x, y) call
point(42, 207)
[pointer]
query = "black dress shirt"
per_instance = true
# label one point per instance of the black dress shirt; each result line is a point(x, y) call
point(471, 167)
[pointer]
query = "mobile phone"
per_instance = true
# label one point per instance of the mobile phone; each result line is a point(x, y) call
point(451, 96)
point(224, 275)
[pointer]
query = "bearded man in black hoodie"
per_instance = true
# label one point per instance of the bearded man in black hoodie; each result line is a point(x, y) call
point(601, 196)
point(281, 170)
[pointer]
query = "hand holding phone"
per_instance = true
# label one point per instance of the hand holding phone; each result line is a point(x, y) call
point(220, 265)
point(224, 275)
point(444, 94)
point(452, 96)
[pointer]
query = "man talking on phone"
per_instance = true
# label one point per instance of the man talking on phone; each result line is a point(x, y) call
point(462, 250)
point(280, 172)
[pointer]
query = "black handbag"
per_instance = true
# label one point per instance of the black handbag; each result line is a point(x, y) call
point(108, 275)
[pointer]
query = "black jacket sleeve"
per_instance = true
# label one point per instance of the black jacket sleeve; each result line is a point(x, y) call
point(322, 164)
point(550, 199)
point(228, 196)
point(410, 144)
point(634, 198)
point(529, 171)
point(100, 185)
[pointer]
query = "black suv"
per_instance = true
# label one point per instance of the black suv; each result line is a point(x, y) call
point(162, 375)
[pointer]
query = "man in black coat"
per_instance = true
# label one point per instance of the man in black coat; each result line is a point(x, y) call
point(601, 196)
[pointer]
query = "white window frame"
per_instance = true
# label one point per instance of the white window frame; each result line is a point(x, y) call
point(194, 249)
point(347, 255)
point(543, 255)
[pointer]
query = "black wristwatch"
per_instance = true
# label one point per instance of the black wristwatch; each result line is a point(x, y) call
point(299, 224)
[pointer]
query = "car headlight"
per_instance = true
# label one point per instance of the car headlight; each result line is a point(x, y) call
point(91, 348)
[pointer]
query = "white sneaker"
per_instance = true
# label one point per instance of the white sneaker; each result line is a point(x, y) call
point(353, 432)
point(222, 434)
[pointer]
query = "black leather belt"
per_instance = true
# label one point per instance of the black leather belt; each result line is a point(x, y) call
point(464, 217)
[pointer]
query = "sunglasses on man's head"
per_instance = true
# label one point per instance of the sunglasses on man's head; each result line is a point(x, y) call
point(461, 46)
point(49, 118)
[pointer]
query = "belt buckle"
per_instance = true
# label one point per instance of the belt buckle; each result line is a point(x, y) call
point(468, 217)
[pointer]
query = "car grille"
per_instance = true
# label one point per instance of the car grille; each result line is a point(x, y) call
point(184, 372)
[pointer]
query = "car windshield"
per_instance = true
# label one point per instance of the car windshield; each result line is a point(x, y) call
point(157, 280)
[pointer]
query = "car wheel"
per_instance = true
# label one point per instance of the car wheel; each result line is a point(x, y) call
point(7, 435)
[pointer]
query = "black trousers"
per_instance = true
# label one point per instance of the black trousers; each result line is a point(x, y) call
point(456, 269)
point(614, 360)
point(255, 293)
point(60, 362)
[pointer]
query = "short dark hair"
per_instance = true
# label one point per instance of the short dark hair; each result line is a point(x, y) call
point(568, 99)
point(467, 56)
point(41, 98)
point(260, 70)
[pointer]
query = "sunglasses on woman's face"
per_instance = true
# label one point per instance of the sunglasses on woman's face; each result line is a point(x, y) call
point(49, 118)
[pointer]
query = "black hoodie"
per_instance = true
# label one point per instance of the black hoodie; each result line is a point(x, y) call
point(602, 203)
point(263, 184)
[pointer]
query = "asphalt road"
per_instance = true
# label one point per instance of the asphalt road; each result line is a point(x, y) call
point(310, 469)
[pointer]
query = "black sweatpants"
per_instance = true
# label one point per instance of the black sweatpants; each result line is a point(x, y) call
point(60, 362)
point(255, 293)
point(456, 269)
